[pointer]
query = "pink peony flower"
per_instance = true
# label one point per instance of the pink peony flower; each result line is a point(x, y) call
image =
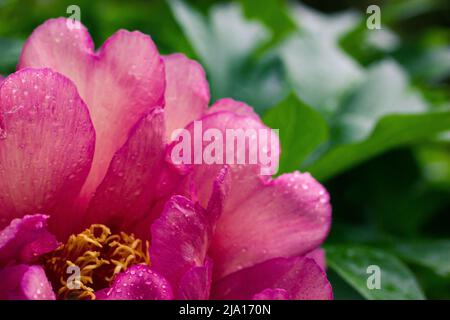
point(86, 181)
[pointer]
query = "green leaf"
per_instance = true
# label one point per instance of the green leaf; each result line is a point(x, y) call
point(273, 14)
point(223, 41)
point(349, 233)
point(147, 17)
point(391, 131)
point(380, 114)
point(395, 11)
point(433, 65)
point(434, 159)
point(364, 108)
point(319, 71)
point(341, 289)
point(301, 130)
point(427, 58)
point(432, 254)
point(261, 84)
point(9, 54)
point(368, 46)
point(388, 195)
point(326, 27)
point(383, 91)
point(351, 263)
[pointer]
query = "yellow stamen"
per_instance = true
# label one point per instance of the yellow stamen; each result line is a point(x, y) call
point(99, 255)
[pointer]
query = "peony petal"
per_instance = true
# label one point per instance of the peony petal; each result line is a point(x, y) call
point(318, 255)
point(272, 294)
point(139, 282)
point(284, 217)
point(196, 283)
point(120, 83)
point(46, 145)
point(24, 282)
point(25, 239)
point(179, 239)
point(132, 182)
point(262, 218)
point(220, 190)
point(187, 92)
point(300, 277)
point(67, 50)
point(231, 105)
point(204, 173)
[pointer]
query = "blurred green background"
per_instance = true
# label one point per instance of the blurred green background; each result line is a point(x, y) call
point(367, 112)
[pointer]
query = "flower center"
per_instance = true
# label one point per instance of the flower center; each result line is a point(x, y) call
point(90, 260)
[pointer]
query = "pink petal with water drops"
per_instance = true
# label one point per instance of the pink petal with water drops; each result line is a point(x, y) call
point(256, 204)
point(179, 239)
point(272, 294)
point(133, 181)
point(318, 255)
point(196, 283)
point(287, 216)
point(300, 277)
point(46, 146)
point(120, 82)
point(219, 193)
point(231, 105)
point(25, 240)
point(262, 218)
point(204, 172)
point(23, 282)
point(187, 92)
point(139, 282)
